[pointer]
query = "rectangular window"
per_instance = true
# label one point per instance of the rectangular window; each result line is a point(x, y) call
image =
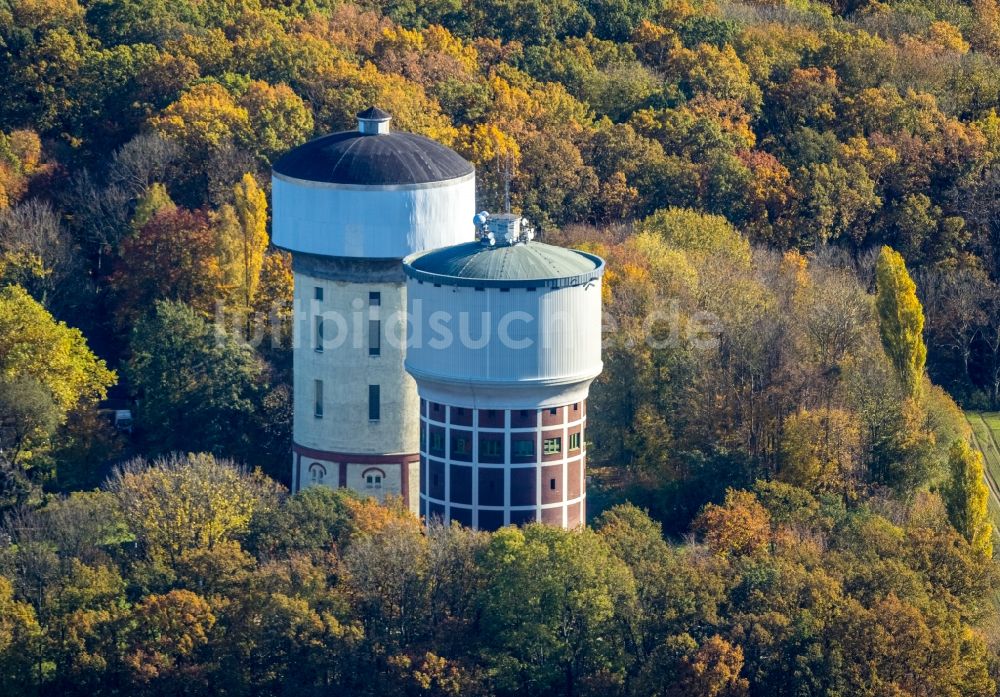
point(318, 387)
point(552, 446)
point(574, 441)
point(318, 294)
point(490, 448)
point(373, 403)
point(437, 442)
point(423, 437)
point(553, 411)
point(318, 333)
point(374, 337)
point(461, 446)
point(552, 484)
point(374, 324)
point(523, 448)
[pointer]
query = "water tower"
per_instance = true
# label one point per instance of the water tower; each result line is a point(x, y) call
point(506, 341)
point(349, 206)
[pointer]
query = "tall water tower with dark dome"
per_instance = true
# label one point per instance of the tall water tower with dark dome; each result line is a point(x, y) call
point(349, 206)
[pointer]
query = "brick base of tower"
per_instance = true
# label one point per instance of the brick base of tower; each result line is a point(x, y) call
point(378, 476)
point(486, 468)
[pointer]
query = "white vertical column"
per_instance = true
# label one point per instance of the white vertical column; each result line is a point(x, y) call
point(539, 461)
point(447, 464)
point(475, 468)
point(563, 492)
point(505, 468)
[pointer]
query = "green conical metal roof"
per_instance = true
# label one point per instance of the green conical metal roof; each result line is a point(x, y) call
point(517, 265)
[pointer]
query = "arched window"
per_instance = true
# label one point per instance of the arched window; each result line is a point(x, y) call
point(373, 479)
point(317, 473)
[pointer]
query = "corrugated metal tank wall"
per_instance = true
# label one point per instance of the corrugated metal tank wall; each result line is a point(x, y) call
point(560, 344)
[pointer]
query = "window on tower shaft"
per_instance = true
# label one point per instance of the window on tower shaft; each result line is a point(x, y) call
point(318, 387)
point(437, 442)
point(574, 441)
point(374, 337)
point(523, 448)
point(318, 333)
point(489, 447)
point(373, 403)
point(374, 324)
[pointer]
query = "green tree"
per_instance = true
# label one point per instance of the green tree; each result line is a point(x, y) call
point(549, 608)
point(698, 233)
point(47, 372)
point(314, 519)
point(901, 319)
point(155, 199)
point(199, 387)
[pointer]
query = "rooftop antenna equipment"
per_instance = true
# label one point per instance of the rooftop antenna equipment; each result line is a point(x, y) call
point(505, 228)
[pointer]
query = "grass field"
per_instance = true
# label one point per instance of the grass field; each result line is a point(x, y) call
point(986, 433)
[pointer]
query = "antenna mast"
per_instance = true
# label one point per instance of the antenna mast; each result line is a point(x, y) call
point(508, 174)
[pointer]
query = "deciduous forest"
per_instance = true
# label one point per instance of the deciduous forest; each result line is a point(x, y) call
point(799, 203)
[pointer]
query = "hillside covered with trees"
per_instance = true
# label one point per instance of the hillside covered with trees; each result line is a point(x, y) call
point(798, 202)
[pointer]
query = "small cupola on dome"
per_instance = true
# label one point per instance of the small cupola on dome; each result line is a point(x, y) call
point(373, 121)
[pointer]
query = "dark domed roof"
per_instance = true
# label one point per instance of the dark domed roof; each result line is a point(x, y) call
point(504, 266)
point(384, 158)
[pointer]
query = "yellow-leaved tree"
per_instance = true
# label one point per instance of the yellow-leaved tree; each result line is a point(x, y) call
point(820, 450)
point(966, 497)
point(901, 319)
point(241, 234)
point(203, 118)
point(181, 503)
point(37, 346)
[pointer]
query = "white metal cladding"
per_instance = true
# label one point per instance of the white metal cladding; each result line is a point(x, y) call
point(375, 222)
point(496, 338)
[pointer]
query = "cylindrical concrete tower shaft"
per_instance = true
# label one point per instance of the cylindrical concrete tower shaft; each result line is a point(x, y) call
point(505, 344)
point(349, 207)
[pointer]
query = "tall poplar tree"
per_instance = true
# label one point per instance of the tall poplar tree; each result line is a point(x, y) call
point(967, 497)
point(901, 319)
point(241, 231)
